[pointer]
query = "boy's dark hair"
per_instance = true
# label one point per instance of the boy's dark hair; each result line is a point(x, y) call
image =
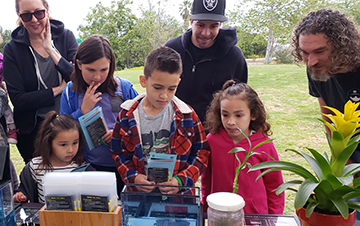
point(213, 122)
point(91, 49)
point(164, 59)
point(49, 128)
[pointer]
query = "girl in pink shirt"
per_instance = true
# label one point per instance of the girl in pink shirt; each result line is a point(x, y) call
point(237, 105)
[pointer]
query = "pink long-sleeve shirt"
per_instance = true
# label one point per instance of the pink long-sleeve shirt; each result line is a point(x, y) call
point(259, 196)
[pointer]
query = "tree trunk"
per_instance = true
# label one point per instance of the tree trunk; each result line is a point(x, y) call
point(269, 47)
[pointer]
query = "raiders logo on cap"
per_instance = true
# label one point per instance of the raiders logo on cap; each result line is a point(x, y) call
point(210, 4)
point(208, 10)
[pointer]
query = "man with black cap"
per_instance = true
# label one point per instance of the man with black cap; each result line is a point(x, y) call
point(209, 54)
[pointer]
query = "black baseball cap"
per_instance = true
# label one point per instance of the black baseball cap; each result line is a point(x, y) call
point(208, 10)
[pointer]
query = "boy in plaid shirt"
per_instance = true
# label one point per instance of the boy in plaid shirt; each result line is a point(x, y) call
point(157, 121)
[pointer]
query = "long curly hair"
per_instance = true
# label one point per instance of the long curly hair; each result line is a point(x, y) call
point(339, 30)
point(49, 128)
point(243, 91)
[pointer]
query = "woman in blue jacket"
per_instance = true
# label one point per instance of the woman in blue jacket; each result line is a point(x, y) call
point(93, 84)
point(36, 68)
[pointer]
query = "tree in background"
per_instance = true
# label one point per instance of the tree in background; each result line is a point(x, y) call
point(115, 23)
point(274, 19)
point(131, 38)
point(350, 7)
point(184, 11)
point(5, 38)
point(252, 44)
point(156, 26)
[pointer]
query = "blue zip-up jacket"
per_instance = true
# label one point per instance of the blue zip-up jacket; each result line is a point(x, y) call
point(200, 80)
point(22, 82)
point(71, 103)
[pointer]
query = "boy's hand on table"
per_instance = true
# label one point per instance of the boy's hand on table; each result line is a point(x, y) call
point(19, 197)
point(141, 179)
point(169, 190)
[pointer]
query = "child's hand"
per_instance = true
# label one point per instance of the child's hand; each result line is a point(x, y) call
point(169, 190)
point(107, 137)
point(141, 179)
point(19, 197)
point(90, 98)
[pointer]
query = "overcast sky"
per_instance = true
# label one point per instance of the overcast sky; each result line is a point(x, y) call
point(73, 12)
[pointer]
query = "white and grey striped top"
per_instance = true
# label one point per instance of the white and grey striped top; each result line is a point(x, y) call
point(38, 174)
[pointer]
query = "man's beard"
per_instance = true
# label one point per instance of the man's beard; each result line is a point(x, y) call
point(319, 75)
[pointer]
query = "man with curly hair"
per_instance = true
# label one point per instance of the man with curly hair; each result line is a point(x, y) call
point(329, 44)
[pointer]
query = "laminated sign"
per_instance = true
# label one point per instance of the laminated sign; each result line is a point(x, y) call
point(93, 127)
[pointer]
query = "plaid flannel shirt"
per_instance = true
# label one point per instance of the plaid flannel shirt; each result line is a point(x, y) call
point(187, 140)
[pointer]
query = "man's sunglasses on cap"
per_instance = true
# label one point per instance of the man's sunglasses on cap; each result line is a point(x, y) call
point(38, 14)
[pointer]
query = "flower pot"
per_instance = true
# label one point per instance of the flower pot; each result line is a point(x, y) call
point(318, 219)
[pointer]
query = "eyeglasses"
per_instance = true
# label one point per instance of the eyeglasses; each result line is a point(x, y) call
point(39, 14)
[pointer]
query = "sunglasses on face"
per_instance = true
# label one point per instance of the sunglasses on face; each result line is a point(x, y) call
point(39, 14)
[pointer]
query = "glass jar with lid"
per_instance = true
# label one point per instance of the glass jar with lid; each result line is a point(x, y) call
point(225, 209)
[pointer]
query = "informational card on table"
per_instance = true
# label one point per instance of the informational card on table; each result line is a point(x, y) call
point(55, 202)
point(161, 167)
point(94, 203)
point(93, 126)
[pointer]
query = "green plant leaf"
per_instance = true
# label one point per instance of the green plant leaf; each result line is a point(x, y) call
point(340, 192)
point(322, 194)
point(335, 183)
point(351, 169)
point(355, 139)
point(354, 205)
point(351, 195)
point(261, 143)
point(287, 185)
point(339, 163)
point(320, 162)
point(304, 192)
point(337, 144)
point(234, 150)
point(341, 206)
point(282, 165)
point(356, 182)
point(312, 162)
point(310, 208)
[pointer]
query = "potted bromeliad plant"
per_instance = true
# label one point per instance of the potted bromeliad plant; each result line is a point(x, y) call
point(326, 189)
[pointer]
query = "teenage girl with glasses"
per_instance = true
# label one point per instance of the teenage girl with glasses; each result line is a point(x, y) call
point(36, 68)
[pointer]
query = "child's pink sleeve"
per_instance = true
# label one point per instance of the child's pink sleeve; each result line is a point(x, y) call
point(206, 185)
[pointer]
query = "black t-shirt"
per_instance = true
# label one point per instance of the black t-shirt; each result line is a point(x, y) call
point(338, 90)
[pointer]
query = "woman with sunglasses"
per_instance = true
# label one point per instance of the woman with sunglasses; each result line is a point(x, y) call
point(36, 68)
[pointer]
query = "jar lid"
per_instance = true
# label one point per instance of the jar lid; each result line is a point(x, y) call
point(225, 201)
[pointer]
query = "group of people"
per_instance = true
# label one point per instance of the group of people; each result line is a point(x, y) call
point(196, 79)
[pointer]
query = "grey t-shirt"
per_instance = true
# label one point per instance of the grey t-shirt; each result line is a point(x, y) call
point(155, 130)
point(50, 76)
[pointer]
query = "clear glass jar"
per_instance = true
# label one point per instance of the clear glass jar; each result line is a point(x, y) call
point(225, 209)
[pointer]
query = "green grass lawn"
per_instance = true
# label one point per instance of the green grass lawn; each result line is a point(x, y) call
point(292, 112)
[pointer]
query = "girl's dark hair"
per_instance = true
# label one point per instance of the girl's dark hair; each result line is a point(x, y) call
point(91, 49)
point(49, 129)
point(243, 91)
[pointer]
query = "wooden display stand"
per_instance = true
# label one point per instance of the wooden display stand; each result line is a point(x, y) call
point(79, 218)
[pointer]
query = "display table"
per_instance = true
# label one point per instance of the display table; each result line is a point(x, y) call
point(250, 219)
